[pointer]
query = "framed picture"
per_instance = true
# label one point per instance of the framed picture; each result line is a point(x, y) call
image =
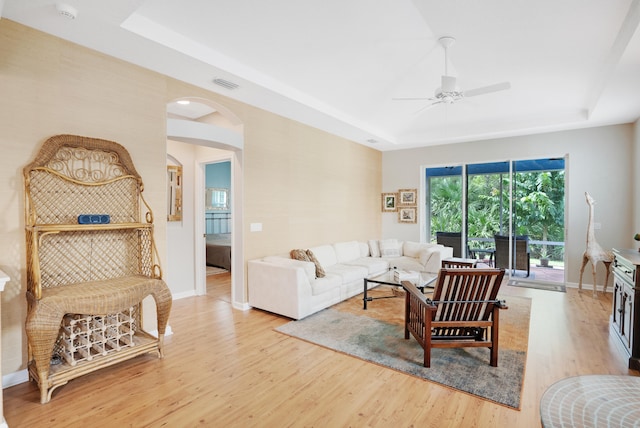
point(407, 214)
point(174, 193)
point(407, 197)
point(389, 202)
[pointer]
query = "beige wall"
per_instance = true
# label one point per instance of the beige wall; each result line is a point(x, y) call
point(305, 186)
point(599, 161)
point(307, 190)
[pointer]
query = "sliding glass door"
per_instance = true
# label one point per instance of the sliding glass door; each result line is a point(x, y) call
point(445, 207)
point(509, 214)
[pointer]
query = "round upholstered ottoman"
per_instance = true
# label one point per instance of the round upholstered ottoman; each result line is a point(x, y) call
point(592, 401)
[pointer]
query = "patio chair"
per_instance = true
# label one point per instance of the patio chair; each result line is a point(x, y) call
point(521, 257)
point(451, 239)
point(464, 311)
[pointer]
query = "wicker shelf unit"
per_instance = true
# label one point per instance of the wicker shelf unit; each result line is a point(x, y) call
point(86, 282)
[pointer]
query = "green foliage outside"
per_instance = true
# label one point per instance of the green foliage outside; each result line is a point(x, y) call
point(538, 208)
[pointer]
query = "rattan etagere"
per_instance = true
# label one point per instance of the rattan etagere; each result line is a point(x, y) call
point(87, 276)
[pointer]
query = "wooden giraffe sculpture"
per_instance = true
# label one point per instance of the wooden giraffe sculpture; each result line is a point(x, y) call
point(594, 252)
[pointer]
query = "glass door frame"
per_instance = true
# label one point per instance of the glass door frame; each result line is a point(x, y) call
point(426, 233)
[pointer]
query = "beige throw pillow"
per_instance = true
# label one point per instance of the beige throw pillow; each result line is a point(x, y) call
point(320, 273)
point(300, 255)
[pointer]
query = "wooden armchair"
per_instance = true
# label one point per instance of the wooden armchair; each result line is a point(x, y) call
point(464, 311)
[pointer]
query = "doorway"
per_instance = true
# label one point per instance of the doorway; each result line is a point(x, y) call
point(218, 229)
point(214, 134)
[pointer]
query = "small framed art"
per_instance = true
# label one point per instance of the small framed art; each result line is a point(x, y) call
point(407, 214)
point(407, 197)
point(389, 202)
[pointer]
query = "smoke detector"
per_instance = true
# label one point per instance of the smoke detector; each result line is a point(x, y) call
point(67, 11)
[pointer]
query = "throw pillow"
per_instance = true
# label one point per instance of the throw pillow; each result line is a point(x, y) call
point(300, 255)
point(320, 273)
point(374, 248)
point(389, 248)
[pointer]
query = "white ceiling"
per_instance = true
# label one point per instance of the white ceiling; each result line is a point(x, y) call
point(337, 64)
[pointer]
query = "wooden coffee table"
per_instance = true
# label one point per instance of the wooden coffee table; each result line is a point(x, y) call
point(425, 280)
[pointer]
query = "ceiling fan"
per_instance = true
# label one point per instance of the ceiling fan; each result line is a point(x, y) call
point(449, 92)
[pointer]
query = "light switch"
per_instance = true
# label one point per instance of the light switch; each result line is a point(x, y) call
point(256, 227)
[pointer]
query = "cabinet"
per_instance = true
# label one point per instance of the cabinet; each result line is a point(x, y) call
point(91, 260)
point(625, 316)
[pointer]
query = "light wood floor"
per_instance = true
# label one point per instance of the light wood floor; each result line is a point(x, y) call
point(228, 368)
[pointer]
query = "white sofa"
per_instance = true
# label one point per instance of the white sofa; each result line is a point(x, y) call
point(293, 288)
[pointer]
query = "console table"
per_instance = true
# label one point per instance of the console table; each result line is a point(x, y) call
point(625, 317)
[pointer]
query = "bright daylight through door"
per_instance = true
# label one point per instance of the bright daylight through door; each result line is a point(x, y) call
point(507, 214)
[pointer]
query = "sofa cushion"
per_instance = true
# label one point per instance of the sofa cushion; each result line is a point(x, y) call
point(390, 248)
point(320, 273)
point(348, 273)
point(309, 267)
point(325, 254)
point(374, 265)
point(347, 251)
point(374, 248)
point(405, 263)
point(322, 285)
point(364, 249)
point(412, 249)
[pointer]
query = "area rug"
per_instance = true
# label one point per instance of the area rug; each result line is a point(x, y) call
point(539, 286)
point(382, 342)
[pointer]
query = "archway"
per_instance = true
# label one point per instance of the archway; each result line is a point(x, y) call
point(205, 124)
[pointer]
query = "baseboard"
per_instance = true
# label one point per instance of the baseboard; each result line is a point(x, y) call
point(184, 295)
point(167, 332)
point(588, 287)
point(241, 306)
point(15, 378)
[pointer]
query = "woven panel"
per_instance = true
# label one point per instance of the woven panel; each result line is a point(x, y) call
point(84, 159)
point(89, 165)
point(81, 256)
point(56, 200)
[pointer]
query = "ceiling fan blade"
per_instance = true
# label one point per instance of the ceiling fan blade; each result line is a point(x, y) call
point(427, 107)
point(410, 99)
point(487, 89)
point(448, 84)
